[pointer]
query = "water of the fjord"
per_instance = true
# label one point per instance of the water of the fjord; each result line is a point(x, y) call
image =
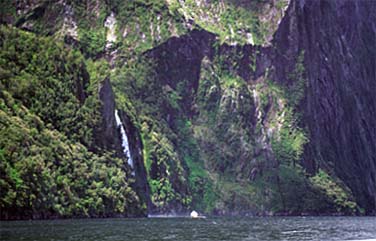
point(187, 229)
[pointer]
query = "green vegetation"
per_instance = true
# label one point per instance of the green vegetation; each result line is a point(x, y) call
point(49, 109)
point(293, 193)
point(92, 42)
point(292, 190)
point(218, 144)
point(265, 175)
point(288, 144)
point(140, 26)
point(89, 18)
point(204, 194)
point(49, 82)
point(7, 10)
point(297, 89)
point(164, 144)
point(44, 174)
point(143, 24)
point(233, 23)
point(224, 124)
point(336, 191)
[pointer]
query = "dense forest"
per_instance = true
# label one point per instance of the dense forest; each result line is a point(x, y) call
point(127, 108)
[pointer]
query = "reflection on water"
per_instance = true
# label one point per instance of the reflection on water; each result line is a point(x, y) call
point(217, 228)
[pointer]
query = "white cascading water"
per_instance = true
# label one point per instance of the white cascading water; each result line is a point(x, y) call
point(124, 140)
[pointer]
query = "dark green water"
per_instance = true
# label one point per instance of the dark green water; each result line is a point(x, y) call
point(221, 228)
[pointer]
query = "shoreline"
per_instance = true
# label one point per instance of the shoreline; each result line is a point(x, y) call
point(151, 216)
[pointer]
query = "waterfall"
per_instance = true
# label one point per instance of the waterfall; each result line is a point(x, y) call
point(124, 140)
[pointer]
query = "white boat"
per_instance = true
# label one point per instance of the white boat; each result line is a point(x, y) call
point(195, 214)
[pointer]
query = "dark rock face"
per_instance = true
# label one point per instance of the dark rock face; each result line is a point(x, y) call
point(107, 136)
point(180, 58)
point(136, 147)
point(339, 108)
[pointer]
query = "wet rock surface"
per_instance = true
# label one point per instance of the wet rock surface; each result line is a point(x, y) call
point(339, 106)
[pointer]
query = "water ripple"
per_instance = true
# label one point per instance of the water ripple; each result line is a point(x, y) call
point(217, 228)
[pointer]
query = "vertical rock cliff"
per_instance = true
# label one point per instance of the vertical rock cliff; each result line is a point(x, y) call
point(229, 107)
point(108, 136)
point(339, 107)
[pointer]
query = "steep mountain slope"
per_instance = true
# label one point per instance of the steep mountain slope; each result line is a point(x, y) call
point(219, 115)
point(339, 105)
point(51, 165)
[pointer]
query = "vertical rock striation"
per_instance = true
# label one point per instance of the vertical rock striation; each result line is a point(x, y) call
point(108, 136)
point(338, 39)
point(135, 153)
